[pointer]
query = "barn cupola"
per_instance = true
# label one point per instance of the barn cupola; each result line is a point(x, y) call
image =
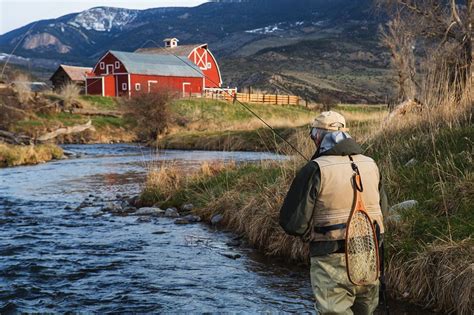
point(171, 42)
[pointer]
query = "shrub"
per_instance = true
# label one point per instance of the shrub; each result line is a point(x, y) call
point(150, 113)
point(70, 94)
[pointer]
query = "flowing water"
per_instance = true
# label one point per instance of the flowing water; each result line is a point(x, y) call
point(55, 259)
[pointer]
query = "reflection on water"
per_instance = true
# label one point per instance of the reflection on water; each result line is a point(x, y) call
point(55, 259)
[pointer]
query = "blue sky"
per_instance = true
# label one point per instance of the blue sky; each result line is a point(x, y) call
point(17, 13)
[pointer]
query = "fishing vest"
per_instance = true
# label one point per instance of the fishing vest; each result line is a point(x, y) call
point(336, 195)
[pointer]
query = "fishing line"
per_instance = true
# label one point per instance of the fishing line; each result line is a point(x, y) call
point(16, 46)
point(232, 96)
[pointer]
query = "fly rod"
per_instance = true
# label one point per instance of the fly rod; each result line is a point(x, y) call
point(235, 99)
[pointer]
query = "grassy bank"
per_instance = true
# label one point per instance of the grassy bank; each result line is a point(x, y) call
point(214, 125)
point(15, 155)
point(430, 254)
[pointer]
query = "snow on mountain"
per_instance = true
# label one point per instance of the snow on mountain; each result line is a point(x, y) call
point(270, 29)
point(103, 19)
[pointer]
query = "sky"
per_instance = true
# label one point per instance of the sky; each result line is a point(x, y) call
point(17, 13)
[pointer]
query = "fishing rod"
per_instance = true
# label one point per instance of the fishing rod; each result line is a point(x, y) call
point(232, 96)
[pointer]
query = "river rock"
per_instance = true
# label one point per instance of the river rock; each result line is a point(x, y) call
point(171, 213)
point(111, 207)
point(133, 201)
point(188, 219)
point(159, 232)
point(231, 255)
point(234, 243)
point(187, 207)
point(216, 219)
point(97, 214)
point(85, 204)
point(67, 208)
point(145, 219)
point(150, 211)
point(69, 154)
point(408, 204)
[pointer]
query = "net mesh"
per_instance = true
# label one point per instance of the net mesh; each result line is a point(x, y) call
point(361, 247)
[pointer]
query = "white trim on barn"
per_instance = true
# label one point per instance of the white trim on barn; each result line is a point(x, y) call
point(138, 86)
point(217, 65)
point(150, 82)
point(111, 67)
point(129, 87)
point(103, 86)
point(184, 88)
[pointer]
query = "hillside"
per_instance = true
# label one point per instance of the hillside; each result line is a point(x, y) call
point(304, 47)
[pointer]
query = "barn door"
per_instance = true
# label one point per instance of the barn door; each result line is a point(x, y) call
point(186, 89)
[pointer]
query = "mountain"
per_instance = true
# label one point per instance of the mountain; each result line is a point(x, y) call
point(268, 44)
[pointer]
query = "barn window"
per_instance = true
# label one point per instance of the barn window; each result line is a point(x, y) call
point(117, 65)
point(102, 65)
point(124, 86)
point(138, 86)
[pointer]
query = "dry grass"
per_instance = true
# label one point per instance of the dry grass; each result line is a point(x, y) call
point(440, 276)
point(12, 155)
point(70, 94)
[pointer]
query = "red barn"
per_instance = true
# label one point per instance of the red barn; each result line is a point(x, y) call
point(199, 54)
point(120, 73)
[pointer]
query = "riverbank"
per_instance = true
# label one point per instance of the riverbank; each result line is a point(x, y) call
point(16, 155)
point(427, 157)
point(215, 125)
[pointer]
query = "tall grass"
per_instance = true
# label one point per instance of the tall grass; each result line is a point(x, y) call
point(13, 155)
point(431, 260)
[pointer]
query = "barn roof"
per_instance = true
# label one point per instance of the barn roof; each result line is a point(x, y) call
point(181, 50)
point(152, 64)
point(75, 73)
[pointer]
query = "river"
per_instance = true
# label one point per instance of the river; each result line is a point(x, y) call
point(56, 259)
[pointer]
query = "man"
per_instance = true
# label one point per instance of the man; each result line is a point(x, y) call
point(317, 208)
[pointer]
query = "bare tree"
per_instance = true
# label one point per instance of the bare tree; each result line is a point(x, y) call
point(401, 43)
point(444, 29)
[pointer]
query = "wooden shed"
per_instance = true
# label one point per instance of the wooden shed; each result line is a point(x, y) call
point(199, 54)
point(120, 73)
point(67, 74)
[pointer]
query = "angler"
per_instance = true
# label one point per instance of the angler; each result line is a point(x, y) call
point(317, 208)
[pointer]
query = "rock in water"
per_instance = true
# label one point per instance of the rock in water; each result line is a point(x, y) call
point(234, 243)
point(216, 219)
point(144, 219)
point(187, 207)
point(149, 211)
point(231, 255)
point(171, 213)
point(112, 207)
point(188, 219)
